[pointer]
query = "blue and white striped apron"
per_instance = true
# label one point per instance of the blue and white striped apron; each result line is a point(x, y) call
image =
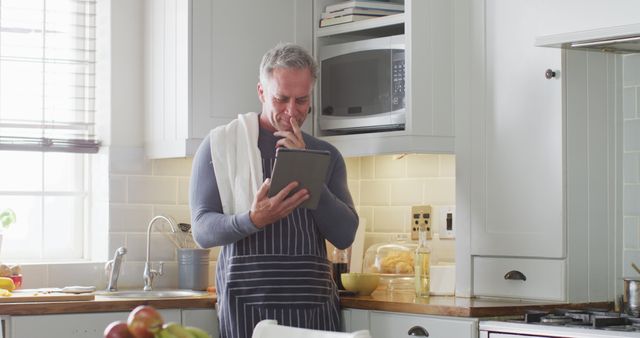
point(281, 273)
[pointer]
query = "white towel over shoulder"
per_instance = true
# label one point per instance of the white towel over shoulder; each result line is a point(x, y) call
point(237, 162)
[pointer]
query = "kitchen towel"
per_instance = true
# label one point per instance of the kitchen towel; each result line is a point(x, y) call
point(237, 162)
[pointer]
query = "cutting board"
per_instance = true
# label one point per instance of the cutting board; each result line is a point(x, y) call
point(21, 296)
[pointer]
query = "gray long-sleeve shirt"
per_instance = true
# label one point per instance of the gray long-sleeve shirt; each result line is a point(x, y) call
point(335, 215)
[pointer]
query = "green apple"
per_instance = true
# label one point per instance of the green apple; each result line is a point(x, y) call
point(197, 332)
point(177, 330)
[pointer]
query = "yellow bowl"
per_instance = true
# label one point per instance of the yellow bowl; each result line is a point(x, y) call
point(361, 283)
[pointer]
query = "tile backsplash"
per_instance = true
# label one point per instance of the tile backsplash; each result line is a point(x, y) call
point(631, 162)
point(385, 187)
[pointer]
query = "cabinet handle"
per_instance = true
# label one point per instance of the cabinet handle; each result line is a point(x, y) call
point(418, 331)
point(515, 275)
point(549, 74)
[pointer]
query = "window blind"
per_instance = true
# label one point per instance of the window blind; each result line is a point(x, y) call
point(47, 75)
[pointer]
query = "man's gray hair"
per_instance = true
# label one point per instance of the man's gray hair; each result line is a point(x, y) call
point(287, 55)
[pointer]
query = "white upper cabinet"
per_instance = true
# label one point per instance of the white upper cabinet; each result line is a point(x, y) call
point(429, 57)
point(202, 59)
point(568, 16)
point(517, 191)
point(536, 169)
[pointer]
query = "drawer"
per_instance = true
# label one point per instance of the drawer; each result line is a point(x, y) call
point(397, 325)
point(545, 278)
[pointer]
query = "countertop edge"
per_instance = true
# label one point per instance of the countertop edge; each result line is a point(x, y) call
point(103, 305)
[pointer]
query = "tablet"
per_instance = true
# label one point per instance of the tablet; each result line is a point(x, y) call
point(308, 167)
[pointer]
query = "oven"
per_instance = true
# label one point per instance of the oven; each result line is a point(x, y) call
point(564, 323)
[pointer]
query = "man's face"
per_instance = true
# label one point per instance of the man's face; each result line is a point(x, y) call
point(286, 95)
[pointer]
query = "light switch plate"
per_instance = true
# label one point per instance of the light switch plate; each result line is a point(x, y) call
point(446, 222)
point(420, 214)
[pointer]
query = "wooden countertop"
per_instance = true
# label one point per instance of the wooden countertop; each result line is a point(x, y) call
point(104, 305)
point(453, 306)
point(379, 300)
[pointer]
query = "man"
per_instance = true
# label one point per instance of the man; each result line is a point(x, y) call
point(273, 264)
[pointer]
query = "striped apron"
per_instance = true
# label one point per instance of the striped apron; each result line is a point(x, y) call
point(281, 273)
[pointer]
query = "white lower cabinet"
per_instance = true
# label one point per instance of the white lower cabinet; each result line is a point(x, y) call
point(92, 325)
point(206, 319)
point(383, 324)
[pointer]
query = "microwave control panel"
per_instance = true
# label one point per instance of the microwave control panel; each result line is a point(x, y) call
point(397, 78)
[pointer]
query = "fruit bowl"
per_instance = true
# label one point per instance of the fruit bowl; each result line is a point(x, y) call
point(361, 283)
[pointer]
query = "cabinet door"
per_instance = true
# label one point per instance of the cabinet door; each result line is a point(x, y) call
point(517, 192)
point(206, 319)
point(202, 59)
point(83, 325)
point(229, 39)
point(395, 325)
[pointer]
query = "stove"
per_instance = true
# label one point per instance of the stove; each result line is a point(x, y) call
point(569, 323)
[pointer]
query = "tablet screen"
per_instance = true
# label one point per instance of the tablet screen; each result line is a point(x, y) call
point(308, 167)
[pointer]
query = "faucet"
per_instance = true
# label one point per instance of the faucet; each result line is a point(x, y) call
point(149, 272)
point(113, 268)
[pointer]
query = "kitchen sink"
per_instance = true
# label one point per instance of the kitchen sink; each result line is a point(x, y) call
point(153, 294)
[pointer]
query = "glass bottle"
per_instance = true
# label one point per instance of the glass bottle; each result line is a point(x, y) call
point(422, 264)
point(340, 265)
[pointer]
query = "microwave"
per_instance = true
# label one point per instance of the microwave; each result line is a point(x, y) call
point(362, 86)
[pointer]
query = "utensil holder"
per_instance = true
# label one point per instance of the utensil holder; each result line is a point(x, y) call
point(193, 269)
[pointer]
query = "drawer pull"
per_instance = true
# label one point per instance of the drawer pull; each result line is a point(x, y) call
point(418, 331)
point(515, 275)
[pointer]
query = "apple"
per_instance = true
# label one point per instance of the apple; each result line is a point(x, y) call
point(118, 329)
point(144, 321)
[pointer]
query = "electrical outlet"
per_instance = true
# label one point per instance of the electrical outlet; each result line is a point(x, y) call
point(446, 222)
point(420, 214)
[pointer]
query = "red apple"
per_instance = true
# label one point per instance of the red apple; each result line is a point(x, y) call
point(144, 321)
point(117, 329)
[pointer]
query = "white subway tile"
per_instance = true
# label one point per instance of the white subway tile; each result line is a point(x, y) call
point(179, 213)
point(631, 168)
point(353, 167)
point(162, 249)
point(631, 200)
point(630, 233)
point(131, 275)
point(129, 218)
point(117, 189)
point(628, 257)
point(83, 274)
point(390, 219)
point(447, 165)
point(129, 161)
point(440, 191)
point(629, 102)
point(374, 192)
point(405, 192)
point(366, 214)
point(422, 165)
point(367, 167)
point(631, 72)
point(390, 166)
point(116, 240)
point(34, 276)
point(152, 190)
point(172, 167)
point(354, 189)
point(183, 190)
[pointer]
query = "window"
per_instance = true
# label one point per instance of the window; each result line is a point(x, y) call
point(47, 111)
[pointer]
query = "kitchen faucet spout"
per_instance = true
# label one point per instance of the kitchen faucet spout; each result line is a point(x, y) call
point(149, 273)
point(113, 268)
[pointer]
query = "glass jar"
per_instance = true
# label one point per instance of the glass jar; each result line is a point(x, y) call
point(394, 261)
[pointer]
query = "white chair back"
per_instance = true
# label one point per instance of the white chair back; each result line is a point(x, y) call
point(270, 329)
